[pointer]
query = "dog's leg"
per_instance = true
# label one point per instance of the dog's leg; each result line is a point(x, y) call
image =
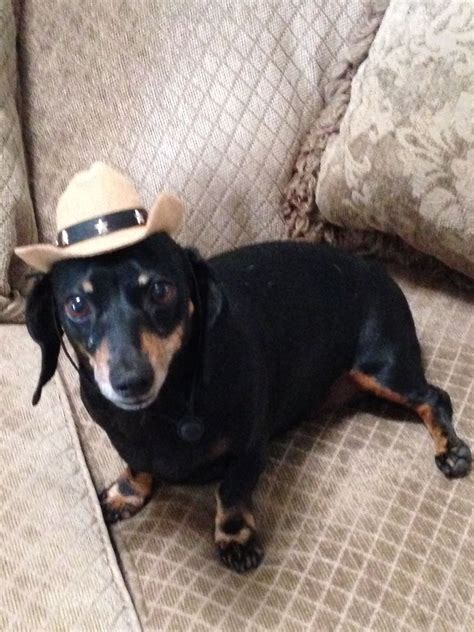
point(124, 498)
point(235, 531)
point(433, 405)
point(452, 455)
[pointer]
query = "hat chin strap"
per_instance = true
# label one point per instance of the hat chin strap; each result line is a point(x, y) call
point(190, 427)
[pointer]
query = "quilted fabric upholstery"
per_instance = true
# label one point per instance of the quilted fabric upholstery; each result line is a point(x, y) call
point(17, 224)
point(362, 532)
point(209, 99)
point(57, 567)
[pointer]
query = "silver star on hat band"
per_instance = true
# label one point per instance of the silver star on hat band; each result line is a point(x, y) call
point(101, 227)
point(139, 217)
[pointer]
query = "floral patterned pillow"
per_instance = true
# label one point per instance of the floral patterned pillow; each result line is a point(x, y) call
point(403, 162)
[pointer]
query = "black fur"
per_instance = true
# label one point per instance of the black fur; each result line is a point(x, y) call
point(41, 322)
point(278, 324)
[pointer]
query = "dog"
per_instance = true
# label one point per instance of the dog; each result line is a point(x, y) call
point(192, 366)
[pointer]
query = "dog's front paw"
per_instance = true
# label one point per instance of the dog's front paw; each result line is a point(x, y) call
point(117, 507)
point(237, 542)
point(241, 557)
point(124, 498)
point(456, 461)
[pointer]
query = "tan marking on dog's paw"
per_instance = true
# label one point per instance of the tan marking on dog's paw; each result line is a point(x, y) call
point(236, 539)
point(241, 537)
point(124, 498)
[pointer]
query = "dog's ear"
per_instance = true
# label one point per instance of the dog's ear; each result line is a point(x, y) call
point(43, 327)
point(211, 293)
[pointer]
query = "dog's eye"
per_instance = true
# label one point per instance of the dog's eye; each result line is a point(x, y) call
point(162, 292)
point(77, 308)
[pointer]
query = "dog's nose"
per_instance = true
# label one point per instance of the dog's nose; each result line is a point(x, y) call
point(132, 381)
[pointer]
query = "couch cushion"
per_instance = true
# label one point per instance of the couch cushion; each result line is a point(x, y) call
point(58, 570)
point(402, 162)
point(17, 223)
point(208, 100)
point(361, 529)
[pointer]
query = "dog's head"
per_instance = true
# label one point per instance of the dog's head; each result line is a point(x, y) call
point(127, 315)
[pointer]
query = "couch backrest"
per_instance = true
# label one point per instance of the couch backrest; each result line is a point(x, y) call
point(210, 100)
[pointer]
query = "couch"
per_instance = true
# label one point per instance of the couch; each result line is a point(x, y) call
point(256, 115)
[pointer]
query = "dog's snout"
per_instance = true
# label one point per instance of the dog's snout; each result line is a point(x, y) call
point(132, 380)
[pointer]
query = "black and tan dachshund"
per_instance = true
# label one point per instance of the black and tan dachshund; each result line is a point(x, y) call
point(191, 366)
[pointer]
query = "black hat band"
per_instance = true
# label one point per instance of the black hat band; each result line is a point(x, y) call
point(99, 226)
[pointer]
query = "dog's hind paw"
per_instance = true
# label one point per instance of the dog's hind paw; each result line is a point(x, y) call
point(241, 557)
point(456, 461)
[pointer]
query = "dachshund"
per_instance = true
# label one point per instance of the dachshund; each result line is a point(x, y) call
point(191, 366)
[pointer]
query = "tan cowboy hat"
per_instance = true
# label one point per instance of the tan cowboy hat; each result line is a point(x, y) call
point(100, 211)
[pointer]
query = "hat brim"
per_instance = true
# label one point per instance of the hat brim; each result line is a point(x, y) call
point(165, 216)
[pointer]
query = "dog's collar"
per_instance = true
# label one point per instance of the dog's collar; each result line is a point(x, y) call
point(103, 225)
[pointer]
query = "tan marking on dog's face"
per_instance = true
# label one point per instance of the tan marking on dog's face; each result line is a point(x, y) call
point(160, 351)
point(100, 362)
point(190, 308)
point(143, 279)
point(87, 287)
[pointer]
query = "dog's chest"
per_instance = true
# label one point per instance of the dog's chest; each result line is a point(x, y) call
point(157, 447)
point(152, 441)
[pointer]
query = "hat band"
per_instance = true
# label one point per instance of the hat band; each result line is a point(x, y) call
point(99, 226)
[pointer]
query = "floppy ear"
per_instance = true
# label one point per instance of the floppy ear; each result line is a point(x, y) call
point(211, 293)
point(42, 326)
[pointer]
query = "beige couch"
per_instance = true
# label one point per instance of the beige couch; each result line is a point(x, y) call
point(213, 100)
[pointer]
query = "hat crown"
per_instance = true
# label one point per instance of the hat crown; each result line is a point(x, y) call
point(95, 192)
point(101, 191)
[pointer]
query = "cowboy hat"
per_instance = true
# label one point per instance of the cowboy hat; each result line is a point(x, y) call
point(100, 211)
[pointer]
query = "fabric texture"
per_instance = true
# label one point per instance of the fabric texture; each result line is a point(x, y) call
point(299, 208)
point(58, 570)
point(361, 530)
point(402, 161)
point(209, 100)
point(17, 223)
